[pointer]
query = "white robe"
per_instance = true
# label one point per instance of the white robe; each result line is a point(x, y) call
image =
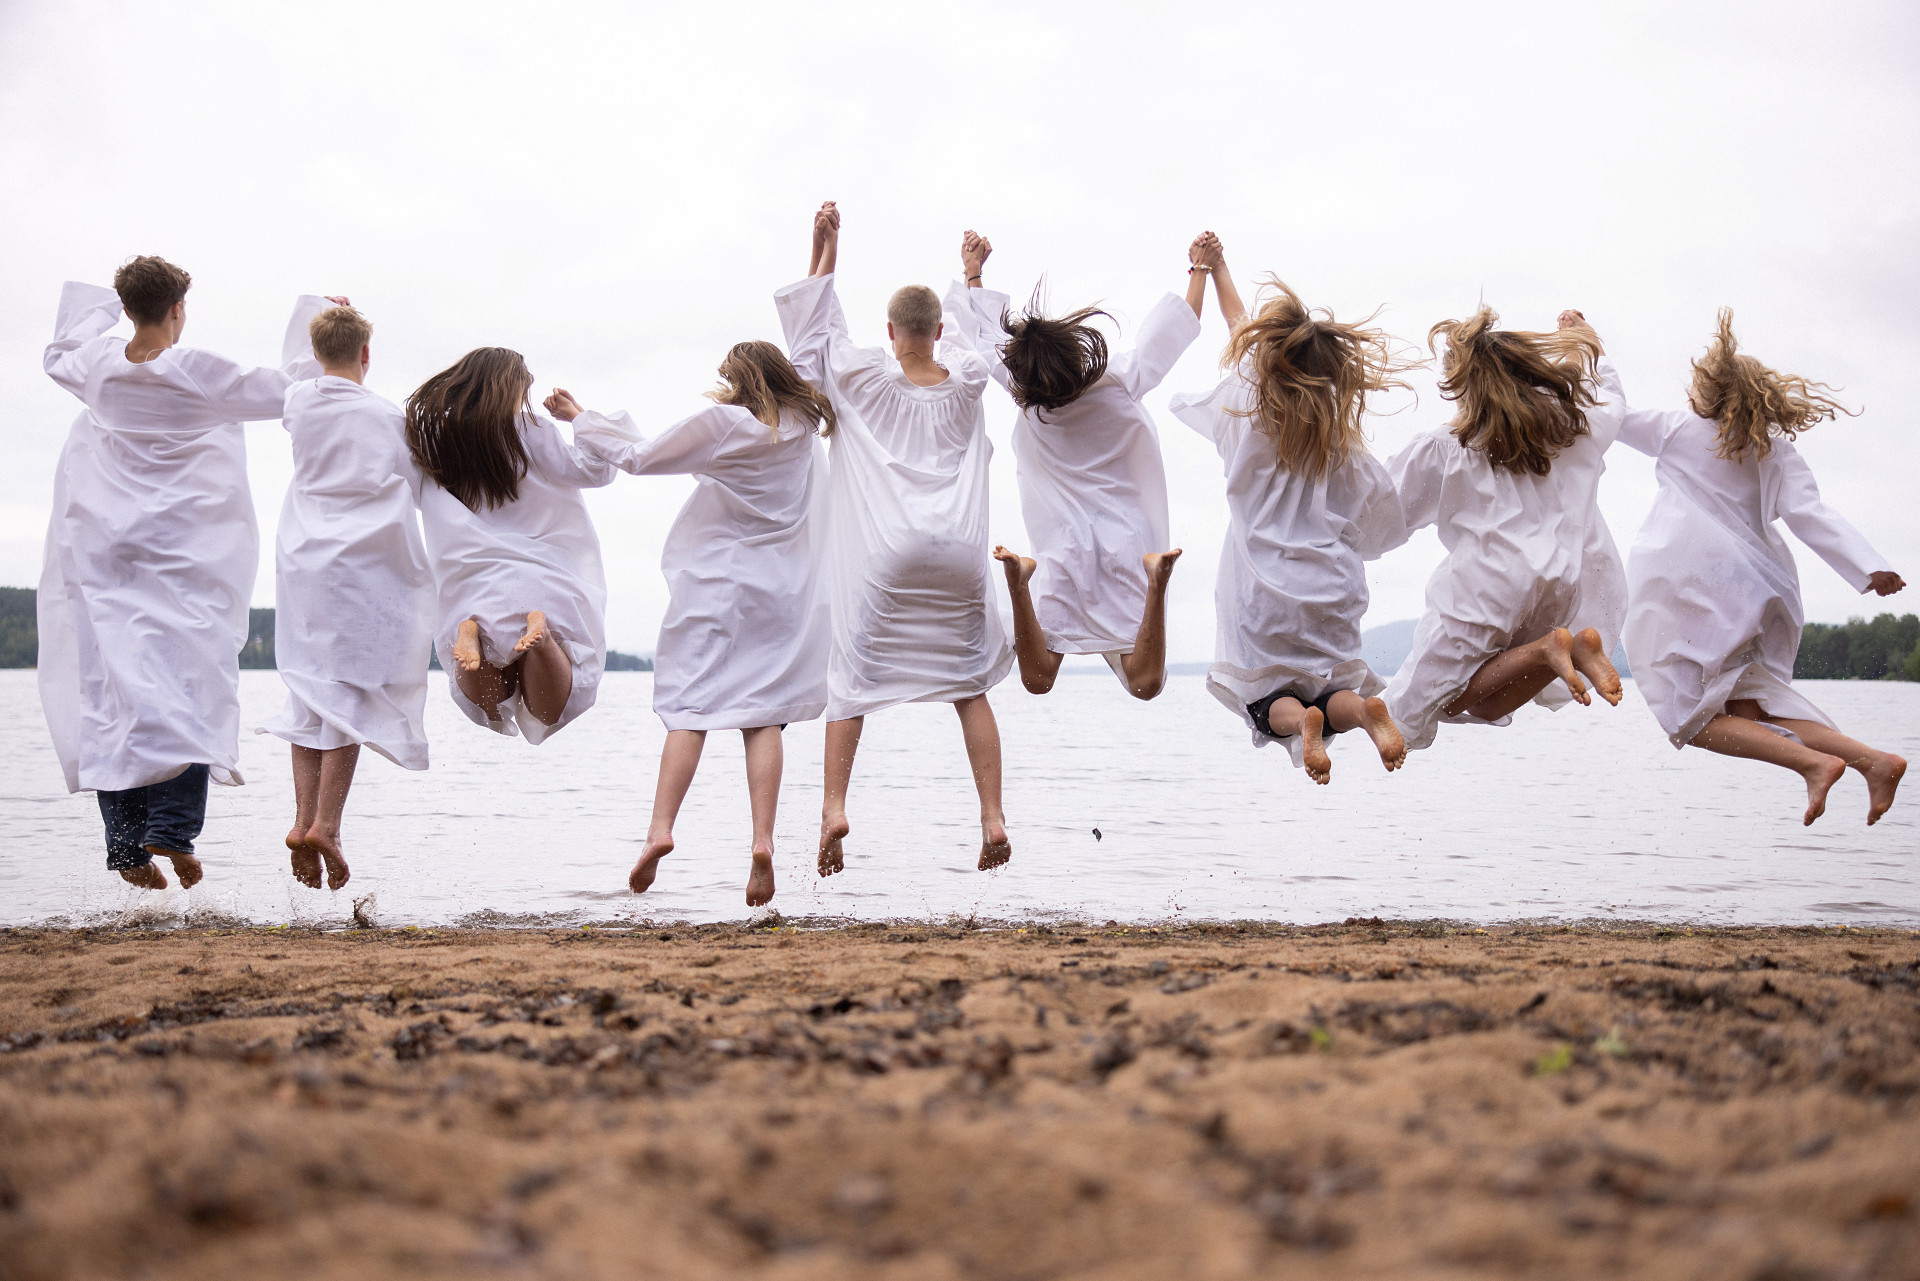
point(1093, 490)
point(1292, 585)
point(1525, 554)
point(150, 555)
point(913, 619)
point(744, 640)
point(537, 552)
point(1714, 597)
point(353, 619)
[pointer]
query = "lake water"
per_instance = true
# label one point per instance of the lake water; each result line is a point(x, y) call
point(1583, 813)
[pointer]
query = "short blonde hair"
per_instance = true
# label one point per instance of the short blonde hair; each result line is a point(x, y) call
point(338, 334)
point(914, 308)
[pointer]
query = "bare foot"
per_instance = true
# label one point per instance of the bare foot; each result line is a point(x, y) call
point(1019, 568)
point(833, 829)
point(1883, 780)
point(1820, 778)
point(147, 876)
point(306, 859)
point(760, 879)
point(1590, 656)
point(1557, 647)
point(1319, 764)
point(995, 848)
point(1386, 736)
point(466, 646)
point(657, 848)
point(1160, 565)
point(535, 633)
point(185, 866)
point(327, 845)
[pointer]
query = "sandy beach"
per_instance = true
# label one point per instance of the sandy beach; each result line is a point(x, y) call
point(916, 1101)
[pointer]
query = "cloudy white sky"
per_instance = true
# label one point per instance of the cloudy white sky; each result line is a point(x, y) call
point(615, 190)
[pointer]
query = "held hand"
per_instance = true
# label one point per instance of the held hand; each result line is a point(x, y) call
point(1885, 582)
point(336, 300)
point(826, 223)
point(562, 405)
point(1207, 251)
point(1571, 319)
point(975, 249)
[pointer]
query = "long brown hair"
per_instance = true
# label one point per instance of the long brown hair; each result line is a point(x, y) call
point(1051, 361)
point(758, 377)
point(1750, 403)
point(463, 429)
point(1523, 396)
point(1311, 377)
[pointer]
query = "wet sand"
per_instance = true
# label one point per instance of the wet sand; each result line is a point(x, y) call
point(922, 1102)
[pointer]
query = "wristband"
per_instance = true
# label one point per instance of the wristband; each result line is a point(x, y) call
point(1198, 266)
point(971, 279)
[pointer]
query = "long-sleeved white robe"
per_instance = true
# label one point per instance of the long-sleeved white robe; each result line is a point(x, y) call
point(353, 618)
point(1525, 554)
point(537, 552)
point(1292, 584)
point(150, 555)
point(913, 618)
point(1714, 597)
point(1093, 489)
point(744, 640)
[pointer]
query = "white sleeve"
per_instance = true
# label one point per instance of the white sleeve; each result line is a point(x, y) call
point(1165, 335)
point(689, 447)
point(1648, 430)
point(235, 393)
point(1604, 420)
point(811, 319)
point(975, 315)
point(296, 349)
point(1382, 522)
point(560, 460)
point(1418, 478)
point(1819, 526)
point(86, 312)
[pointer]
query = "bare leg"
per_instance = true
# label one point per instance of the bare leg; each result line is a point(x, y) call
point(1735, 735)
point(843, 740)
point(1347, 710)
point(323, 831)
point(1039, 666)
point(485, 685)
point(679, 758)
point(765, 758)
point(982, 735)
point(185, 866)
point(1146, 666)
point(306, 800)
point(1590, 658)
point(1882, 770)
point(1507, 681)
point(546, 672)
point(147, 876)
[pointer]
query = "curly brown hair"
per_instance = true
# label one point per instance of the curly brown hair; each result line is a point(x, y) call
point(1523, 396)
point(1750, 403)
point(148, 287)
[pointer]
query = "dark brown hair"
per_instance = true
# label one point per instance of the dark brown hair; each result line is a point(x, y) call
point(1311, 377)
point(338, 334)
point(1051, 362)
point(463, 428)
point(1750, 403)
point(1523, 396)
point(148, 288)
point(758, 377)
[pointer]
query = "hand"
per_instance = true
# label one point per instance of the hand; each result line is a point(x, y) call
point(562, 405)
point(975, 249)
point(1207, 251)
point(1885, 582)
point(1571, 319)
point(826, 224)
point(337, 301)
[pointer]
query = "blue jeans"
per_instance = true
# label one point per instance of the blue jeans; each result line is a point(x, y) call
point(165, 815)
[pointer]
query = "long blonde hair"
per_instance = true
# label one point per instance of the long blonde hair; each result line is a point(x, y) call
point(758, 377)
point(1750, 403)
point(1311, 377)
point(1523, 396)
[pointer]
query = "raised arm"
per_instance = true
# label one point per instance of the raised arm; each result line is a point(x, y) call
point(689, 447)
point(1830, 534)
point(826, 240)
point(560, 460)
point(1197, 273)
point(297, 360)
point(86, 312)
point(975, 249)
point(1213, 256)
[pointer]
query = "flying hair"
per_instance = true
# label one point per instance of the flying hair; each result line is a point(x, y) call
point(1311, 377)
point(1750, 403)
point(463, 427)
point(1523, 396)
point(758, 377)
point(1051, 362)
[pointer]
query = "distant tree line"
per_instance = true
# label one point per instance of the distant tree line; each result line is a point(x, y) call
point(1886, 649)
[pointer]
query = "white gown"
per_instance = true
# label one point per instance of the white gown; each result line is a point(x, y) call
point(1292, 586)
point(913, 618)
point(1093, 490)
point(353, 619)
point(150, 555)
point(1525, 554)
point(537, 552)
point(744, 640)
point(1714, 597)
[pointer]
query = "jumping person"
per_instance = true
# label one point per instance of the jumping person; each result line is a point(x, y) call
point(1309, 507)
point(521, 592)
point(149, 567)
point(1530, 598)
point(908, 582)
point(1713, 617)
point(353, 623)
point(744, 641)
point(1093, 489)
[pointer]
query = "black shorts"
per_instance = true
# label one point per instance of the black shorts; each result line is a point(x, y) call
point(1258, 710)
